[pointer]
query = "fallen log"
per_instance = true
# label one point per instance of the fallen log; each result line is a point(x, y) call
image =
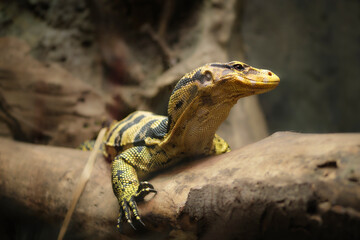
point(289, 185)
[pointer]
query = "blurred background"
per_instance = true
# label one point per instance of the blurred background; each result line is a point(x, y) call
point(69, 66)
point(315, 48)
point(66, 67)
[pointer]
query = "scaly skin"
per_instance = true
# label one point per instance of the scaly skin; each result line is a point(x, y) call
point(144, 142)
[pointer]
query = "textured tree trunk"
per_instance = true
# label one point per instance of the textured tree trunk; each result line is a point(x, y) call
point(287, 185)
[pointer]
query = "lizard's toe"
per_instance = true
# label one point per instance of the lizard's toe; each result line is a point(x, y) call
point(145, 184)
point(128, 209)
point(135, 210)
point(144, 189)
point(120, 217)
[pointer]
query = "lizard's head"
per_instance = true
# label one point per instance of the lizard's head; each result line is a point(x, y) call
point(239, 78)
point(211, 87)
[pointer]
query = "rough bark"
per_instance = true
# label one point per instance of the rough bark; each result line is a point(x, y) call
point(289, 185)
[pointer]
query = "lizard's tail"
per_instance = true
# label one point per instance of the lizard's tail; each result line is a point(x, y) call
point(87, 145)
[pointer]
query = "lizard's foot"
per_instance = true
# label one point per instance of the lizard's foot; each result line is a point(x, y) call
point(144, 189)
point(127, 209)
point(128, 206)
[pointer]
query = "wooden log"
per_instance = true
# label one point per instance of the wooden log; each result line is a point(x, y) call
point(288, 185)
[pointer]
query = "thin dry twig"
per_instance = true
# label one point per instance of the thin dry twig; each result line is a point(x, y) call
point(85, 175)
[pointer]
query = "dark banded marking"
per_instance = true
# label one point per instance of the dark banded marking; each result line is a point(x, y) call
point(169, 123)
point(192, 90)
point(139, 149)
point(197, 76)
point(183, 82)
point(221, 65)
point(128, 118)
point(126, 127)
point(161, 130)
point(147, 132)
point(140, 137)
point(200, 77)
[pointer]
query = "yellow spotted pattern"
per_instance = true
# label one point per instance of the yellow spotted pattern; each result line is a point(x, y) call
point(144, 142)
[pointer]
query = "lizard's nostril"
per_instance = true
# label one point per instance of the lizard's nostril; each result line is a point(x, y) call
point(269, 73)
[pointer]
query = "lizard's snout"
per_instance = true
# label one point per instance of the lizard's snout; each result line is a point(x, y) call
point(262, 79)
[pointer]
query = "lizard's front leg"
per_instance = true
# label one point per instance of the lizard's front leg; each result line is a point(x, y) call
point(126, 185)
point(219, 146)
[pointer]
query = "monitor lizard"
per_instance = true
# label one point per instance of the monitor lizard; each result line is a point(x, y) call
point(144, 142)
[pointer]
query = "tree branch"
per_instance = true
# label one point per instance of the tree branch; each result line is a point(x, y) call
point(287, 185)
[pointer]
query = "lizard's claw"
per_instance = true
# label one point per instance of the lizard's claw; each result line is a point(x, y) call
point(144, 189)
point(127, 209)
point(145, 184)
point(128, 206)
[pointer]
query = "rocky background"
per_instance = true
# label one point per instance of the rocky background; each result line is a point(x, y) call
point(67, 67)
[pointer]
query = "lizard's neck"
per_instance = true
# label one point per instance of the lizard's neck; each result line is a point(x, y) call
point(202, 100)
point(193, 131)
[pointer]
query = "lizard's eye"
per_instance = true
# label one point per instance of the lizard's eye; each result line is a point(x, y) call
point(238, 67)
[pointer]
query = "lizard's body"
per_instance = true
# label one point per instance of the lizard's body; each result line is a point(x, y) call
point(144, 142)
